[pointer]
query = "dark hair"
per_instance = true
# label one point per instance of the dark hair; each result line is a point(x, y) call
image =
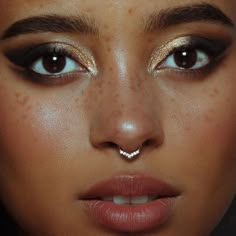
point(7, 225)
point(227, 226)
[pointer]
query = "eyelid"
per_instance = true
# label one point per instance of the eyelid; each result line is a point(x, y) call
point(25, 56)
point(213, 46)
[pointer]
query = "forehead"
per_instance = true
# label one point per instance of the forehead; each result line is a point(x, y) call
point(109, 15)
point(104, 9)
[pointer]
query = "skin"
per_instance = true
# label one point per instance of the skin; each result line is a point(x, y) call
point(52, 137)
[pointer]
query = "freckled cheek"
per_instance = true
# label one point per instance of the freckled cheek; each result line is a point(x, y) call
point(43, 132)
point(204, 149)
point(217, 127)
point(211, 138)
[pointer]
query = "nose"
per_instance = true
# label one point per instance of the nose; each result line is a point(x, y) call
point(127, 116)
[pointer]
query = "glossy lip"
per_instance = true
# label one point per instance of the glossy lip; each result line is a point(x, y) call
point(130, 218)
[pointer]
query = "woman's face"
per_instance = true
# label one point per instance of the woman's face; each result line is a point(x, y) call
point(81, 80)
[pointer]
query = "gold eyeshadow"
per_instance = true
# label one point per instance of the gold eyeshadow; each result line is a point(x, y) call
point(25, 56)
point(214, 48)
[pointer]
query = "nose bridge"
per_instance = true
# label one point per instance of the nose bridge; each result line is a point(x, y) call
point(125, 114)
point(127, 85)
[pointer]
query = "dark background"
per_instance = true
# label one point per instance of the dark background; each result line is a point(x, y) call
point(227, 227)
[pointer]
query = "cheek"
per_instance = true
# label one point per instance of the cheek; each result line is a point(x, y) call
point(213, 141)
point(207, 135)
point(36, 130)
point(201, 136)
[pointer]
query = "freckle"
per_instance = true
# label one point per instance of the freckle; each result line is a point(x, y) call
point(139, 84)
point(173, 116)
point(109, 83)
point(187, 128)
point(208, 118)
point(108, 49)
point(116, 113)
point(99, 85)
point(89, 10)
point(29, 108)
point(89, 106)
point(100, 91)
point(110, 69)
point(107, 39)
point(24, 117)
point(23, 101)
point(172, 100)
point(135, 110)
point(122, 105)
point(216, 91)
point(198, 117)
point(212, 95)
point(211, 111)
point(133, 87)
point(17, 95)
point(131, 11)
point(106, 26)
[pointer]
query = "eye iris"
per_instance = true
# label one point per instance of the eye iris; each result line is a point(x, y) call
point(54, 63)
point(185, 58)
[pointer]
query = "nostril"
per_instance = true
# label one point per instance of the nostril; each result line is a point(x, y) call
point(108, 145)
point(112, 145)
point(150, 143)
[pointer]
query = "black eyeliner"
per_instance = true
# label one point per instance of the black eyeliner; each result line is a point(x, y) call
point(24, 57)
point(214, 48)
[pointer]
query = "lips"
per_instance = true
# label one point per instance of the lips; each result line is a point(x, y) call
point(130, 203)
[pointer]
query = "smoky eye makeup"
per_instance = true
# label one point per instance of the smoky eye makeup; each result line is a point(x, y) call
point(193, 54)
point(52, 62)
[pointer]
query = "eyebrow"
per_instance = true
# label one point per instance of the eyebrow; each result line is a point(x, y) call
point(52, 23)
point(186, 14)
point(85, 25)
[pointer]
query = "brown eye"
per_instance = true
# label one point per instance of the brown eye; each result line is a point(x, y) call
point(188, 59)
point(185, 58)
point(55, 64)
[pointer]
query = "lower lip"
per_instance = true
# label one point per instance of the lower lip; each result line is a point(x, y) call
point(126, 218)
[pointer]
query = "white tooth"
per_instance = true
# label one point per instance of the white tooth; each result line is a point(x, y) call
point(120, 200)
point(139, 200)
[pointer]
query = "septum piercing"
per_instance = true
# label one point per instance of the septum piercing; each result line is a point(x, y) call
point(129, 155)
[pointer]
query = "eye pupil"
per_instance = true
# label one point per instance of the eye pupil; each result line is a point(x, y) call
point(54, 63)
point(185, 58)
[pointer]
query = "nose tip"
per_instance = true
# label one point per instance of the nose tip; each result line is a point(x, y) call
point(130, 136)
point(127, 135)
point(127, 113)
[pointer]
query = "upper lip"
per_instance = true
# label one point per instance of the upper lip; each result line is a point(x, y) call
point(130, 186)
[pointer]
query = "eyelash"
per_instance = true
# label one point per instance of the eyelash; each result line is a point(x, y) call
point(29, 58)
point(212, 50)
